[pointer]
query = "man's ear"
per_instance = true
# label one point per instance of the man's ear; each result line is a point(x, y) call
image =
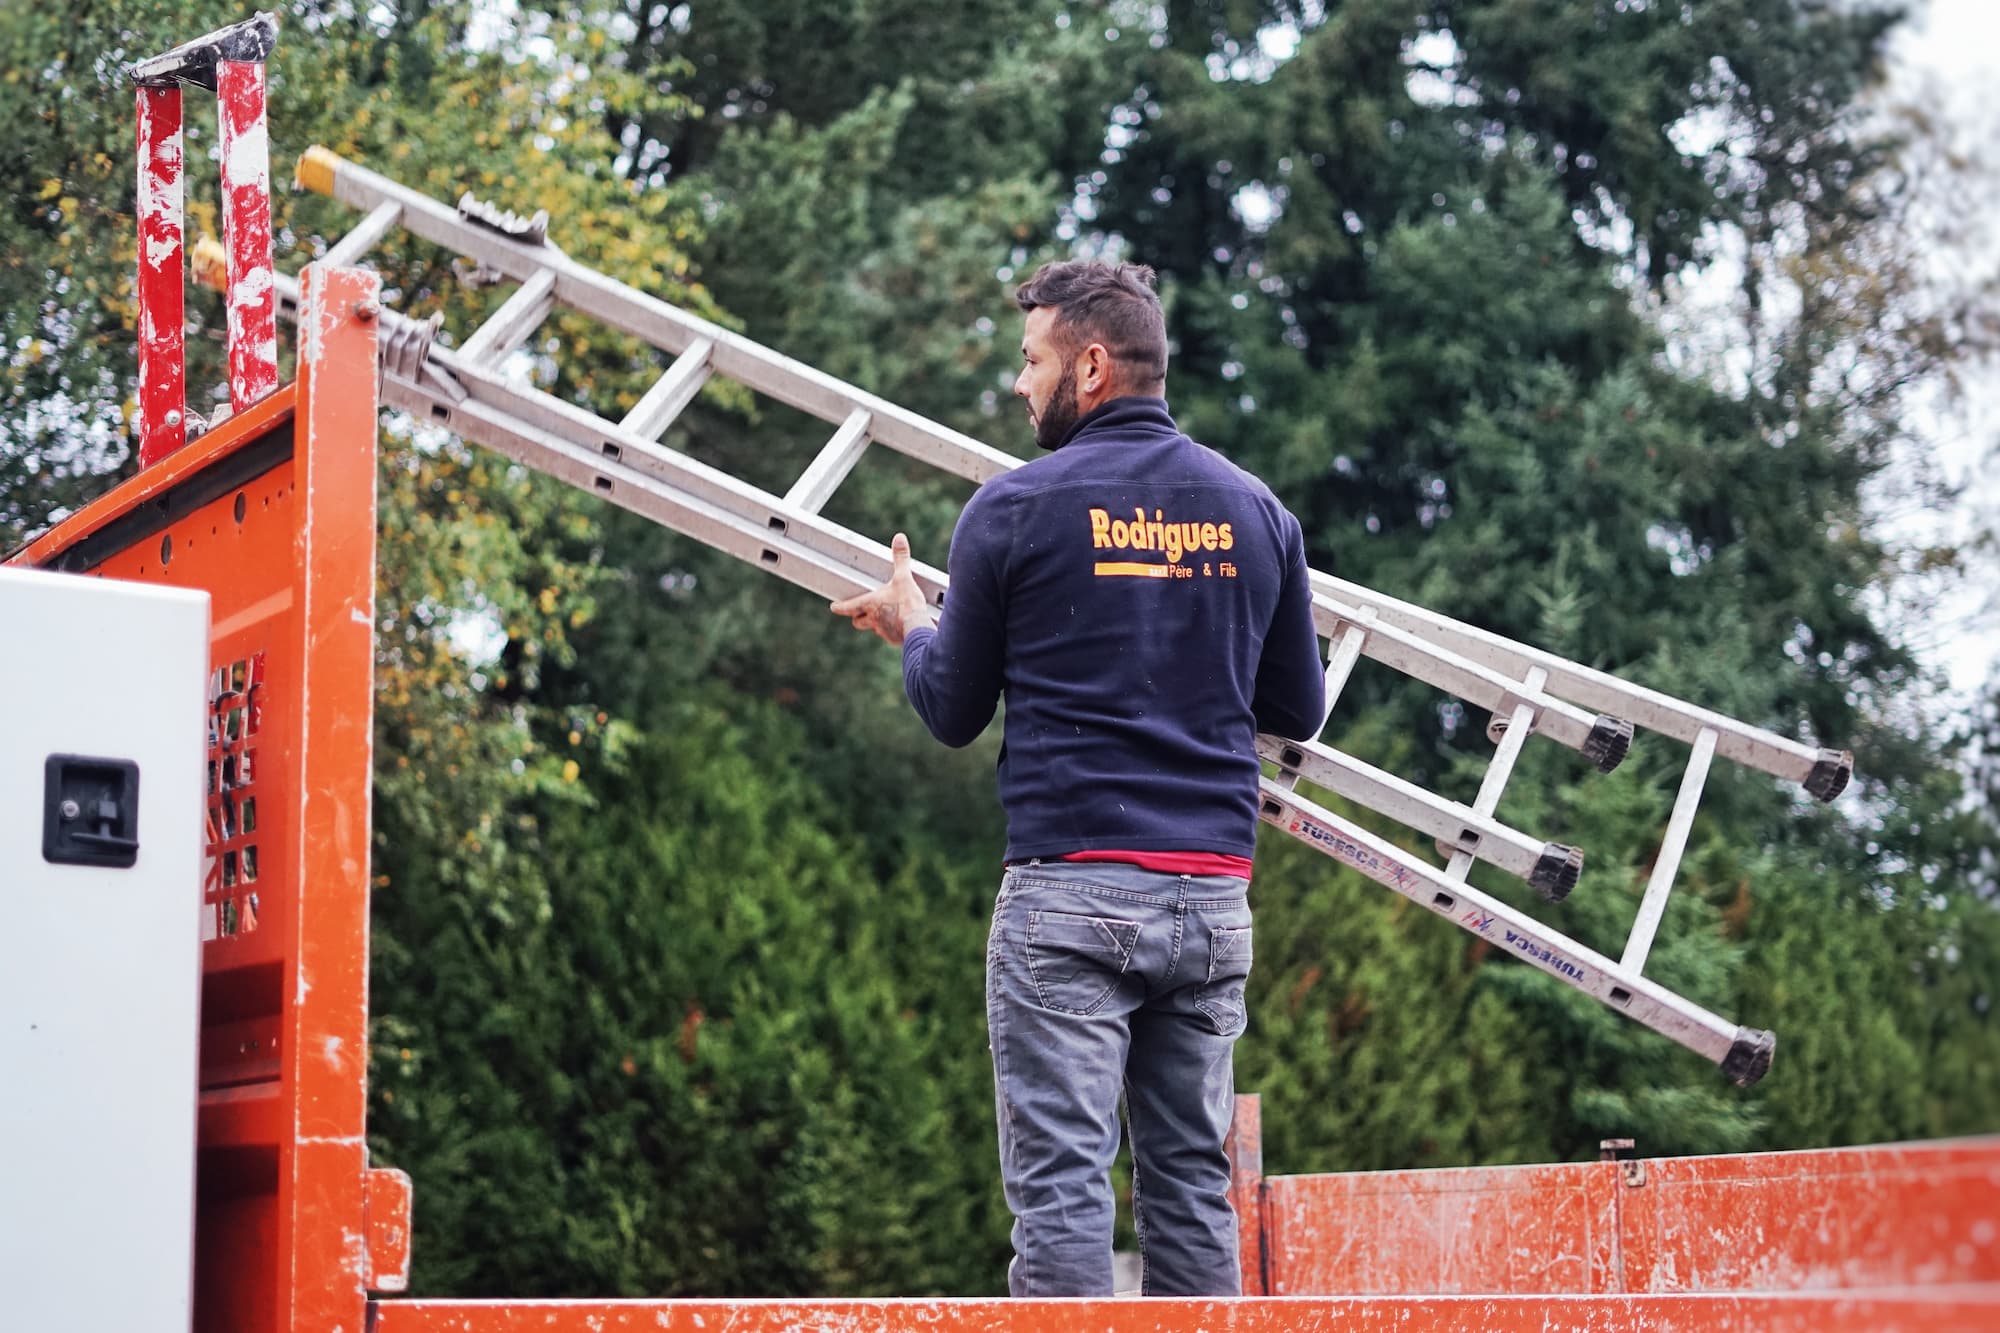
point(1096, 377)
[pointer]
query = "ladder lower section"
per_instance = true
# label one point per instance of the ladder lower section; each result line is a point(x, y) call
point(1527, 691)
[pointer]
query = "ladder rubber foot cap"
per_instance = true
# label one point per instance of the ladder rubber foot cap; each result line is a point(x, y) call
point(1555, 874)
point(1749, 1057)
point(1829, 776)
point(1609, 741)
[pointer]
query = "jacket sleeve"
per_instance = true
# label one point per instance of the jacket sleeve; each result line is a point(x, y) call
point(1290, 699)
point(953, 674)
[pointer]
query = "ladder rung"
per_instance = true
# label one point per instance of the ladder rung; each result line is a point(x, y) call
point(366, 234)
point(601, 441)
point(1668, 863)
point(628, 487)
point(830, 465)
point(1499, 769)
point(514, 322)
point(1751, 746)
point(1549, 867)
point(1602, 739)
point(672, 392)
point(655, 321)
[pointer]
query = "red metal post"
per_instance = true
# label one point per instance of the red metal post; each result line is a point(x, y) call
point(162, 351)
point(246, 231)
point(1245, 1147)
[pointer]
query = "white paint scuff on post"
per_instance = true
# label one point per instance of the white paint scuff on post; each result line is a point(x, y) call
point(162, 360)
point(246, 231)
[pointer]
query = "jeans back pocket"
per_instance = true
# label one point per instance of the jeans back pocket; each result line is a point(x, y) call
point(1221, 996)
point(1076, 960)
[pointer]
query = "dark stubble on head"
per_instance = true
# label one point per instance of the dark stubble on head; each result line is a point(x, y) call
point(1056, 419)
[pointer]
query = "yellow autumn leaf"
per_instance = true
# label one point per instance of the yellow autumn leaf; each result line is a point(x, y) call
point(50, 188)
point(570, 771)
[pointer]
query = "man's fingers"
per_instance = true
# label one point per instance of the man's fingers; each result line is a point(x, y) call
point(899, 553)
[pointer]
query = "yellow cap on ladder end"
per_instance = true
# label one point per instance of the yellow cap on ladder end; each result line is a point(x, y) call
point(316, 168)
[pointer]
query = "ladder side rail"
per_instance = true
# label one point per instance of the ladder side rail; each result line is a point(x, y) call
point(1661, 882)
point(1743, 1053)
point(589, 472)
point(810, 390)
point(655, 321)
point(1601, 738)
point(856, 563)
point(1470, 832)
point(1740, 742)
point(612, 445)
point(451, 391)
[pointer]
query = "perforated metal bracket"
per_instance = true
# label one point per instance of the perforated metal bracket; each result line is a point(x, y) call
point(529, 230)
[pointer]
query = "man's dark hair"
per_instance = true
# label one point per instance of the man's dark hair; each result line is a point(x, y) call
point(1113, 304)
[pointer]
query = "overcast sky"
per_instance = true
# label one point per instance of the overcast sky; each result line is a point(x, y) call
point(1950, 49)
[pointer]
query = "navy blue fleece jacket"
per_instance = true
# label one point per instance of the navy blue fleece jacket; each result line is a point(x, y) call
point(1142, 604)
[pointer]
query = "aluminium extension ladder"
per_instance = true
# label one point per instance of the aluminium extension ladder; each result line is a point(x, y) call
point(1526, 691)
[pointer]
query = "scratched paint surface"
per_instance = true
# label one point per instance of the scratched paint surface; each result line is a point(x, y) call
point(283, 1237)
point(160, 289)
point(1958, 1312)
point(1915, 1215)
point(246, 231)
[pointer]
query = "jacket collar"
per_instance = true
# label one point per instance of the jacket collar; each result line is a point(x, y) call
point(1129, 414)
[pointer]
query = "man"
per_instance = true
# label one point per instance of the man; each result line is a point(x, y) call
point(1143, 605)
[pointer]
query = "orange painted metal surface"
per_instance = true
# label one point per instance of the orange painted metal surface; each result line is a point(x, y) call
point(1245, 1146)
point(386, 1205)
point(273, 512)
point(1914, 1215)
point(1795, 1312)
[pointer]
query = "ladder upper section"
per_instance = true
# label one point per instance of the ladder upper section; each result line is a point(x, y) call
point(1477, 666)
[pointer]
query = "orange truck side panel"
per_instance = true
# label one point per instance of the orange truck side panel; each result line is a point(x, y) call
point(1916, 1214)
point(1797, 1312)
point(273, 512)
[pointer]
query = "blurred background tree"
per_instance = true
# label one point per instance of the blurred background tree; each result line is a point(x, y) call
point(1594, 324)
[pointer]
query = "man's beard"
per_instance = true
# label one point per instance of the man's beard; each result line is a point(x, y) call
point(1060, 414)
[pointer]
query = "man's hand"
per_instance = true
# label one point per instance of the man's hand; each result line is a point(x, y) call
point(895, 608)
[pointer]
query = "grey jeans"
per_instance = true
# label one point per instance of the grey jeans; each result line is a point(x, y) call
point(1102, 979)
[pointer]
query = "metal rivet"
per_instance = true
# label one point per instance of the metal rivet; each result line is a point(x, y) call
point(173, 417)
point(366, 310)
point(70, 809)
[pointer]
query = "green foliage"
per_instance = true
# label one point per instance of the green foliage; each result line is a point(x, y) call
point(678, 913)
